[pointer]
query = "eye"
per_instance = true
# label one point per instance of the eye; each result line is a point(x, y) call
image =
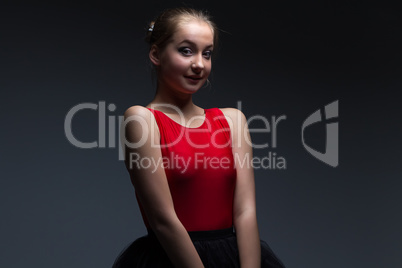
point(207, 54)
point(185, 51)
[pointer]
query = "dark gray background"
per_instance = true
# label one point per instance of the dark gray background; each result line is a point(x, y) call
point(62, 206)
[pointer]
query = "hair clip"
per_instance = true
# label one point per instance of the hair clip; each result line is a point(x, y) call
point(151, 28)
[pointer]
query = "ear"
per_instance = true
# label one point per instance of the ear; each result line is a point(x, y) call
point(154, 55)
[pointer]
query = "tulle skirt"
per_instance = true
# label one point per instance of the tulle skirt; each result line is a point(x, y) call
point(216, 248)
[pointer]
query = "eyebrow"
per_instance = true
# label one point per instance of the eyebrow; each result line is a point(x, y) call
point(193, 44)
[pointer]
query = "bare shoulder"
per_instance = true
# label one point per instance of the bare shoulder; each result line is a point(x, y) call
point(139, 120)
point(232, 112)
point(234, 116)
point(137, 110)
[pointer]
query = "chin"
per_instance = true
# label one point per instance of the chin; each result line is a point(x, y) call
point(191, 88)
point(191, 91)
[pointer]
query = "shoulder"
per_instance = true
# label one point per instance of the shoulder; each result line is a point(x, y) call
point(137, 110)
point(139, 119)
point(232, 112)
point(235, 117)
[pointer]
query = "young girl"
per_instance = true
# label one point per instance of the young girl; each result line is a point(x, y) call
point(195, 192)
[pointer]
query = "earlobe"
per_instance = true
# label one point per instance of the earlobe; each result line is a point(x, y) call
point(154, 55)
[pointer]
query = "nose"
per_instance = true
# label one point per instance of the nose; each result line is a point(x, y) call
point(197, 64)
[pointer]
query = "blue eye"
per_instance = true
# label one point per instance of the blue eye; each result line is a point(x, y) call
point(185, 51)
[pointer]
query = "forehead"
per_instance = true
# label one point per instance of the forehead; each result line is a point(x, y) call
point(194, 31)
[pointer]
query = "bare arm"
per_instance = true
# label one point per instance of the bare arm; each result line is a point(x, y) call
point(153, 190)
point(244, 205)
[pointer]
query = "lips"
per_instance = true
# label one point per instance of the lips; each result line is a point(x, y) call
point(194, 77)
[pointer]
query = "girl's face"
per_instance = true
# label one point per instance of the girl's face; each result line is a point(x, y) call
point(185, 63)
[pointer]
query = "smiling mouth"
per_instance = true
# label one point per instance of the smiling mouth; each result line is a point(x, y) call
point(193, 78)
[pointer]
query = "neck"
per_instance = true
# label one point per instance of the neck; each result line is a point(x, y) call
point(180, 100)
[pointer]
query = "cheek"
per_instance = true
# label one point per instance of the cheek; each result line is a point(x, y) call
point(181, 63)
point(208, 67)
point(175, 65)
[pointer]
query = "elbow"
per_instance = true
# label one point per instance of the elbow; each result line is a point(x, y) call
point(245, 222)
point(248, 215)
point(163, 224)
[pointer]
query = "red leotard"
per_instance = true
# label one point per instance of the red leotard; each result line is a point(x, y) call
point(200, 170)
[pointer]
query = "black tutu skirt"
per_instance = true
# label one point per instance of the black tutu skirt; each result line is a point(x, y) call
point(217, 249)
